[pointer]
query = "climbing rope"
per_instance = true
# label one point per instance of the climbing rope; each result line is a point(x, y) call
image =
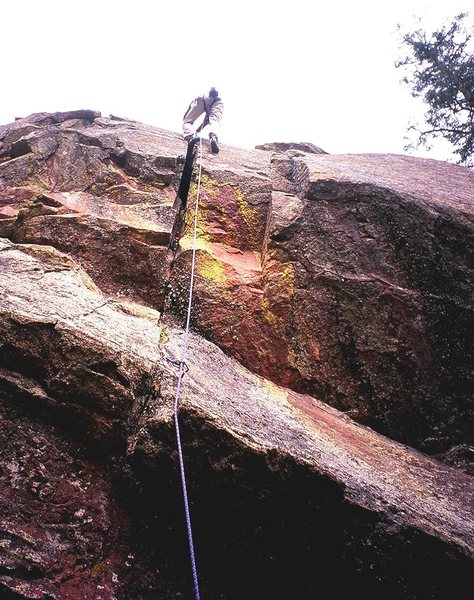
point(182, 370)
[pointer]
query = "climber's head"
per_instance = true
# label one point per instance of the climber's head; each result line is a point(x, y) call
point(213, 93)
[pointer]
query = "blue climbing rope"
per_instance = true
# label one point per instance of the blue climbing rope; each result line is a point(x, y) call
point(182, 370)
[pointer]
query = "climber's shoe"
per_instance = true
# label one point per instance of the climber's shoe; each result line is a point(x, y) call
point(214, 144)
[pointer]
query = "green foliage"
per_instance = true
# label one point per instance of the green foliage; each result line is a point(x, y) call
point(439, 69)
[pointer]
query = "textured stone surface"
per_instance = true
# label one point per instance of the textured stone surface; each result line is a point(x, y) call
point(61, 533)
point(284, 146)
point(336, 280)
point(381, 250)
point(252, 447)
point(360, 292)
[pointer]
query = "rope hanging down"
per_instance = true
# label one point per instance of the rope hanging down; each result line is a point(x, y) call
point(182, 370)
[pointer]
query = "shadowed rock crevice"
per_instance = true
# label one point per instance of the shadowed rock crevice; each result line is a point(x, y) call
point(20, 148)
point(315, 533)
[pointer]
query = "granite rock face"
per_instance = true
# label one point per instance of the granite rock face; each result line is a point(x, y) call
point(378, 321)
point(359, 291)
point(323, 284)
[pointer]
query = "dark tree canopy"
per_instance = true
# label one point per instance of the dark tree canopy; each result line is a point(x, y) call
point(440, 69)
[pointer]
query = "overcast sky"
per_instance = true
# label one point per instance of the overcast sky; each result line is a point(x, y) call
point(293, 70)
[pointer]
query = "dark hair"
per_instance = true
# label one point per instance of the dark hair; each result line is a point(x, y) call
point(213, 93)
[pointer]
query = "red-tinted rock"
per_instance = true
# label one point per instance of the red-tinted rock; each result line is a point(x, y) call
point(359, 293)
point(62, 533)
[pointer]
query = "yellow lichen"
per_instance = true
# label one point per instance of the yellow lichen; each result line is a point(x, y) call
point(211, 269)
point(267, 313)
point(281, 287)
point(250, 216)
point(288, 279)
point(209, 189)
point(164, 336)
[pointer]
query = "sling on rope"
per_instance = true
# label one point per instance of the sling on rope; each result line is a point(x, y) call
point(181, 372)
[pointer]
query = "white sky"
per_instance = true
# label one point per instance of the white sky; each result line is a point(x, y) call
point(298, 70)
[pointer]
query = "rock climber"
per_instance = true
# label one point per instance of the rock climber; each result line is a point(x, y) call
point(212, 106)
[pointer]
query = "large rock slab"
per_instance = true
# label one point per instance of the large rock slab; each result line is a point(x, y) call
point(345, 277)
point(102, 190)
point(282, 486)
point(361, 292)
point(381, 249)
point(99, 189)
